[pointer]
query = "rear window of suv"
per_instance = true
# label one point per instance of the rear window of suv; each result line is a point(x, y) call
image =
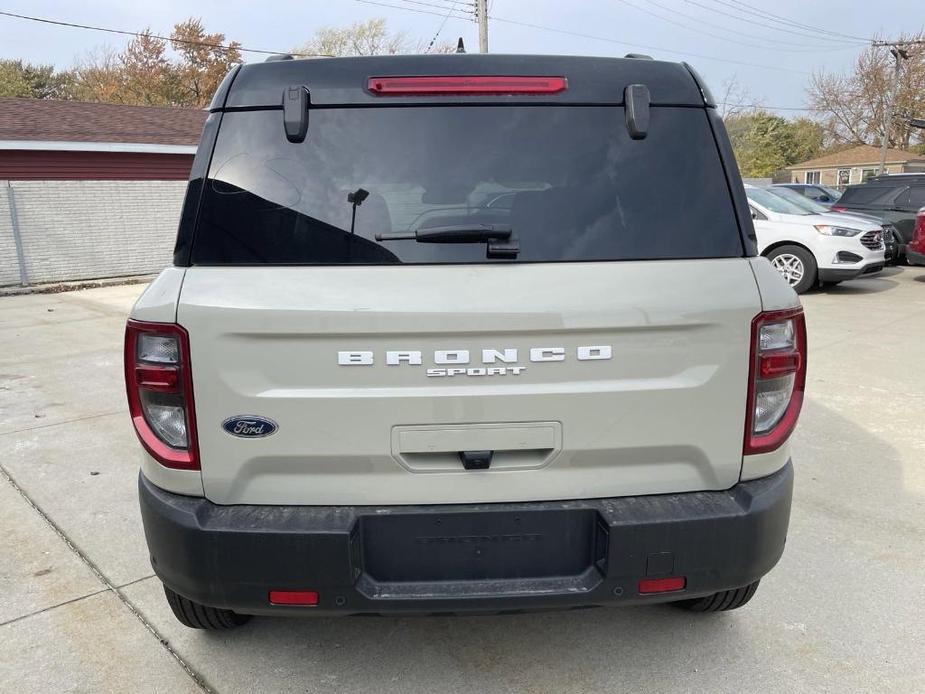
point(868, 194)
point(567, 181)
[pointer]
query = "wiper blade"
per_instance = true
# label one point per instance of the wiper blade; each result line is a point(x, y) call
point(500, 238)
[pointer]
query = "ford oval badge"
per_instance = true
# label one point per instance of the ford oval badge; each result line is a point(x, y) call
point(249, 426)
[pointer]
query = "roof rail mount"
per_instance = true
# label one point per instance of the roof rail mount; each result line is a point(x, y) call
point(296, 100)
point(279, 56)
point(638, 56)
point(636, 99)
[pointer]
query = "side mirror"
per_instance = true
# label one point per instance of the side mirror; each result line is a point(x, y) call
point(754, 214)
point(824, 198)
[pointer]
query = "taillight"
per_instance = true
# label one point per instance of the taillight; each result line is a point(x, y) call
point(160, 392)
point(472, 85)
point(776, 379)
point(838, 208)
point(918, 234)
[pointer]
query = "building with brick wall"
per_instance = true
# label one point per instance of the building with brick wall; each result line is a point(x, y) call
point(854, 165)
point(91, 190)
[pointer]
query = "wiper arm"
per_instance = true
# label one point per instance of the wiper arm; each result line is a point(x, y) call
point(500, 238)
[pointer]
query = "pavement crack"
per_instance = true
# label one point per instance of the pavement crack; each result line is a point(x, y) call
point(59, 423)
point(115, 590)
point(52, 607)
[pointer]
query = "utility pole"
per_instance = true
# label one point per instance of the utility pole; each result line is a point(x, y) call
point(899, 54)
point(481, 13)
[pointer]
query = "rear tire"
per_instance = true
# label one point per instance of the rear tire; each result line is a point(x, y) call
point(720, 602)
point(796, 265)
point(196, 616)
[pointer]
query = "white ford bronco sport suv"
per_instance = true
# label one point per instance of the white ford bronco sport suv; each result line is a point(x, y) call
point(435, 340)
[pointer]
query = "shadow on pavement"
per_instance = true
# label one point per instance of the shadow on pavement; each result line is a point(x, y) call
point(862, 285)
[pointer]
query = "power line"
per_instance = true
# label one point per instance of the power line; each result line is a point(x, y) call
point(643, 45)
point(605, 39)
point(431, 4)
point(221, 46)
point(764, 25)
point(751, 9)
point(414, 9)
point(800, 47)
point(769, 108)
point(440, 28)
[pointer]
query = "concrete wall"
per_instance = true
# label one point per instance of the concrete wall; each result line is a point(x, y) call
point(75, 230)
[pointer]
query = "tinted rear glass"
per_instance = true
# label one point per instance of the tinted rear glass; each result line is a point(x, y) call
point(566, 180)
point(868, 195)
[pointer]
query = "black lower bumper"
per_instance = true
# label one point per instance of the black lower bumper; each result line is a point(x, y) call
point(914, 257)
point(465, 558)
point(845, 274)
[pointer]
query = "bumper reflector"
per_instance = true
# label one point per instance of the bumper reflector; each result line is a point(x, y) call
point(299, 598)
point(662, 585)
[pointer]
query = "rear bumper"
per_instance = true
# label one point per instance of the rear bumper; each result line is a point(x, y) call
point(466, 558)
point(914, 257)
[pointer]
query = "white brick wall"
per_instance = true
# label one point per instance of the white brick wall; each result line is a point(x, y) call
point(73, 230)
point(9, 266)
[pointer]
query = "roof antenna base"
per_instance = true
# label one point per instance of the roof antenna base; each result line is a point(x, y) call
point(460, 46)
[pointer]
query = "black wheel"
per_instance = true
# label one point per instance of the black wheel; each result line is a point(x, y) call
point(196, 616)
point(796, 265)
point(721, 601)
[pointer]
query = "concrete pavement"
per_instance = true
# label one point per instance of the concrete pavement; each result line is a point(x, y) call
point(841, 613)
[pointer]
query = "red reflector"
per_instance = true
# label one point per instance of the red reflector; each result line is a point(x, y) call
point(302, 598)
point(774, 365)
point(163, 379)
point(662, 585)
point(436, 85)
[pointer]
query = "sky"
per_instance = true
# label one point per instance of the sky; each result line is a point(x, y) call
point(723, 39)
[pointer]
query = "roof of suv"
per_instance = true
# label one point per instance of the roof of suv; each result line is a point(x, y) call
point(343, 81)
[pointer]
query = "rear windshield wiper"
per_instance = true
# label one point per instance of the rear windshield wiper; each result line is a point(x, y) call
point(500, 238)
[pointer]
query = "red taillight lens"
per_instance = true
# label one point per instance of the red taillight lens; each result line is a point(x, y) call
point(918, 234)
point(297, 598)
point(160, 392)
point(471, 85)
point(776, 379)
point(838, 208)
point(662, 585)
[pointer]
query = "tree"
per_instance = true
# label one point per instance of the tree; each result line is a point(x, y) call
point(852, 105)
point(202, 64)
point(33, 81)
point(182, 71)
point(735, 99)
point(371, 37)
point(808, 139)
point(765, 143)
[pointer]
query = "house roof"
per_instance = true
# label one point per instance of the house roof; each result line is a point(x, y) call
point(49, 124)
point(858, 156)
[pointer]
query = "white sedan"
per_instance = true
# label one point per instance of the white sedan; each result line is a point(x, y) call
point(812, 249)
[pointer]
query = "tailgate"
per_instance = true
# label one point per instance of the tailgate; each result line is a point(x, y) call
point(585, 380)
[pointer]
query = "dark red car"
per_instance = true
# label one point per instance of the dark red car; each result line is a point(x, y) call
point(915, 251)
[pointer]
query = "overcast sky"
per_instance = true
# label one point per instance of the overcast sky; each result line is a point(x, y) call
point(721, 38)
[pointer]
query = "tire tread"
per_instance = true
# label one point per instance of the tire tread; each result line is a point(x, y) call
point(722, 601)
point(195, 616)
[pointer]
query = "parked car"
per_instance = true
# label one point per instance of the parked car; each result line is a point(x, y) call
point(403, 408)
point(809, 249)
point(915, 252)
point(893, 198)
point(890, 244)
point(813, 191)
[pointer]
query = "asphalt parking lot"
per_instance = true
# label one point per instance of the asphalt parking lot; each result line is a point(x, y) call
point(842, 612)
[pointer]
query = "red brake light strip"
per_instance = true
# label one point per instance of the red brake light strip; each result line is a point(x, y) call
point(465, 85)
